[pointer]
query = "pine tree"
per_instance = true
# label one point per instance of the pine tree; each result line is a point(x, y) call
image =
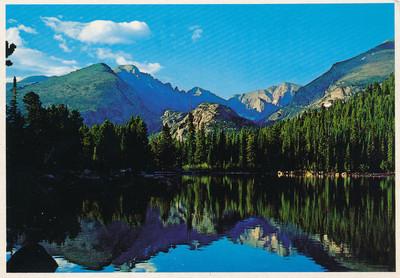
point(242, 149)
point(191, 140)
point(200, 153)
point(166, 150)
point(212, 146)
point(35, 112)
point(14, 132)
point(134, 143)
point(14, 116)
point(87, 145)
point(251, 150)
point(107, 148)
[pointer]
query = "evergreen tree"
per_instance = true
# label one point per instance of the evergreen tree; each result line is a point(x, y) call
point(14, 116)
point(134, 143)
point(106, 151)
point(191, 140)
point(201, 152)
point(166, 149)
point(242, 149)
point(15, 133)
point(87, 144)
point(35, 112)
point(251, 150)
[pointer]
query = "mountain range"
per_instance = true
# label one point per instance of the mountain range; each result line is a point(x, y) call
point(342, 80)
point(100, 93)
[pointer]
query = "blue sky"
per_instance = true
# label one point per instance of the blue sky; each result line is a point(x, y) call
point(227, 49)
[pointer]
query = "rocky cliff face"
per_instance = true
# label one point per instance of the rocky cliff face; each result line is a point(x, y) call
point(261, 103)
point(207, 116)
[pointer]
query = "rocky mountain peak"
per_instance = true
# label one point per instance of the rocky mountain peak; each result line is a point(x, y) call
point(205, 115)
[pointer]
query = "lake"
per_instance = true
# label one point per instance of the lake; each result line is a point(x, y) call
point(210, 223)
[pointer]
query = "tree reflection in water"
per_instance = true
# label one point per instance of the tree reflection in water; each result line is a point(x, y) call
point(342, 224)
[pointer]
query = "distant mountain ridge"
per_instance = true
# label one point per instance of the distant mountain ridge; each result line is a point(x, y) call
point(342, 80)
point(159, 96)
point(261, 103)
point(100, 92)
point(96, 91)
point(144, 95)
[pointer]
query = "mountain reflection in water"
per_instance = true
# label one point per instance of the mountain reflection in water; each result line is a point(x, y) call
point(317, 224)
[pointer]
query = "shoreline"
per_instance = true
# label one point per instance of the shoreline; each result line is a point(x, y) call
point(124, 173)
point(96, 177)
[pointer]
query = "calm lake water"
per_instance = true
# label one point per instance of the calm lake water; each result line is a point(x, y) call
point(218, 223)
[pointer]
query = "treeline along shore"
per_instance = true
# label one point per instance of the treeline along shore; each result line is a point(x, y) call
point(352, 137)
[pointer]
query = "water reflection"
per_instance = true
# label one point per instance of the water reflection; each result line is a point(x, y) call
point(265, 237)
point(340, 224)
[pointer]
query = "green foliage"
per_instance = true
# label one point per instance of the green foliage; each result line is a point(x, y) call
point(47, 139)
point(14, 116)
point(372, 66)
point(191, 140)
point(54, 138)
point(164, 150)
point(353, 135)
point(106, 146)
point(200, 146)
point(356, 135)
point(251, 149)
point(14, 134)
point(135, 144)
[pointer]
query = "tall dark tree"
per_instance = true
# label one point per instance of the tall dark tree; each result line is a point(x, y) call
point(166, 149)
point(15, 132)
point(106, 150)
point(87, 144)
point(201, 151)
point(35, 112)
point(14, 116)
point(251, 150)
point(191, 140)
point(134, 143)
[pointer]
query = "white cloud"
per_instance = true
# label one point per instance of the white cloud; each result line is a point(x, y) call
point(33, 61)
point(13, 34)
point(151, 68)
point(197, 32)
point(27, 29)
point(36, 62)
point(122, 58)
point(62, 42)
point(99, 31)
